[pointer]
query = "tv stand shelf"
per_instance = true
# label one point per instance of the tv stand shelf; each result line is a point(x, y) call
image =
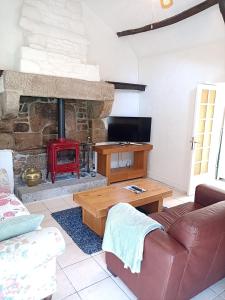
point(139, 168)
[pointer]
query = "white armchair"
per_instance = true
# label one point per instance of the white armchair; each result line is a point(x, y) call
point(28, 264)
point(28, 261)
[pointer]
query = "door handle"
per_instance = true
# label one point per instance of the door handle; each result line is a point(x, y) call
point(193, 142)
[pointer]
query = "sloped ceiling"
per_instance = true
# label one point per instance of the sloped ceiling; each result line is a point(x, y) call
point(120, 15)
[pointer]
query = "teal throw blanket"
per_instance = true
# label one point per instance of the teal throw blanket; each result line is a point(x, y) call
point(125, 232)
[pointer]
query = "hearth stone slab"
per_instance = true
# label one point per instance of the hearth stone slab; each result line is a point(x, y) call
point(59, 188)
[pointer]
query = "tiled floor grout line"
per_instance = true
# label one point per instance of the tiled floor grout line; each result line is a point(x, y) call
point(75, 263)
point(93, 284)
point(86, 286)
point(70, 296)
point(70, 281)
point(101, 266)
point(221, 294)
point(110, 277)
point(120, 287)
point(218, 294)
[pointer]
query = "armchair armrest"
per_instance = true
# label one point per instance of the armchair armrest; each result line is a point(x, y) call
point(22, 254)
point(207, 195)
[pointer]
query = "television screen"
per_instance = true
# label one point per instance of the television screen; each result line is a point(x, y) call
point(129, 129)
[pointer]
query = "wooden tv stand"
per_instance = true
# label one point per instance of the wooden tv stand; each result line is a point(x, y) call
point(137, 170)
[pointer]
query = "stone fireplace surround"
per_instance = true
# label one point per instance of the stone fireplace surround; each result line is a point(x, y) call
point(28, 113)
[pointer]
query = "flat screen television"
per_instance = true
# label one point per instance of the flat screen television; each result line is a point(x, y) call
point(129, 129)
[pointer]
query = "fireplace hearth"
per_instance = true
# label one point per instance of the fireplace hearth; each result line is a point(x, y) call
point(64, 185)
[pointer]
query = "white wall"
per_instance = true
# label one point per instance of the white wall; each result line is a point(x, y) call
point(172, 79)
point(11, 37)
point(116, 59)
point(126, 103)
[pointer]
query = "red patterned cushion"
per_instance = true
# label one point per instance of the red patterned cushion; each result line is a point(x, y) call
point(10, 206)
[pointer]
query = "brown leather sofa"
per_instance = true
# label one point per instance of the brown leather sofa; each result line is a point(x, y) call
point(187, 257)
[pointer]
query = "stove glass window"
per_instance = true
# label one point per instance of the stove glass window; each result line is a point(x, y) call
point(66, 156)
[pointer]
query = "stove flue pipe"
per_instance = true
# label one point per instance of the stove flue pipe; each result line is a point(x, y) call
point(61, 119)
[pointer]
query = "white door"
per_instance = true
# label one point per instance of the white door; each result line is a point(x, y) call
point(202, 164)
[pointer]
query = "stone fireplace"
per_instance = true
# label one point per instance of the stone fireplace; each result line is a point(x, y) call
point(28, 114)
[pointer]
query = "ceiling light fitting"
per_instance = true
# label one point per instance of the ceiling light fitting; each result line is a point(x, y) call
point(166, 3)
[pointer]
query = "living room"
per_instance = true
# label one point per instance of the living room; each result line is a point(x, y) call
point(58, 57)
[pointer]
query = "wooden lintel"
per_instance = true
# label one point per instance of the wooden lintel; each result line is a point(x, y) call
point(222, 8)
point(177, 18)
point(128, 86)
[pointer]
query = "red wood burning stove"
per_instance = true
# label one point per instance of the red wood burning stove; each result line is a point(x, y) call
point(63, 154)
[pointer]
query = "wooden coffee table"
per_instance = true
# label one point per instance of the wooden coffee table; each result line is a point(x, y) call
point(95, 203)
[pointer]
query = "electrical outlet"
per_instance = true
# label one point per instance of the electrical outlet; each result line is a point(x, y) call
point(129, 163)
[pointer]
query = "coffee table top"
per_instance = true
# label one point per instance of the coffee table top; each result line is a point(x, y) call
point(98, 201)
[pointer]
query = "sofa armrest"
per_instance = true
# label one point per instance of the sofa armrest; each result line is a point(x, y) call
point(163, 264)
point(22, 254)
point(162, 267)
point(207, 195)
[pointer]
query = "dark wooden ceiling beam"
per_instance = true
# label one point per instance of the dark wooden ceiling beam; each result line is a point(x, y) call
point(222, 8)
point(177, 18)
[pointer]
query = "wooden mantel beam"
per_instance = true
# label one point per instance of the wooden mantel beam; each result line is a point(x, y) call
point(177, 18)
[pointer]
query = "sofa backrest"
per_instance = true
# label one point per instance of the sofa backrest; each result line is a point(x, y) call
point(207, 195)
point(6, 162)
point(202, 233)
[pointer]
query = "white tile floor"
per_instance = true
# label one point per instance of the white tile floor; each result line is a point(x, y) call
point(85, 277)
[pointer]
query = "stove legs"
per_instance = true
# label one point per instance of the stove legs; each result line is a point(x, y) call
point(53, 175)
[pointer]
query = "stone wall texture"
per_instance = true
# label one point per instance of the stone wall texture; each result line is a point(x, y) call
point(36, 123)
point(27, 159)
point(55, 42)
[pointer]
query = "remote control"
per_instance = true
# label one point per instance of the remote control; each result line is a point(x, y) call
point(136, 188)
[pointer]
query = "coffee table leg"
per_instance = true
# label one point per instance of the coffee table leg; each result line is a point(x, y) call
point(95, 224)
point(160, 204)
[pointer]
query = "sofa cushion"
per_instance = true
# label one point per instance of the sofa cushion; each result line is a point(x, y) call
point(19, 225)
point(4, 182)
point(10, 207)
point(170, 215)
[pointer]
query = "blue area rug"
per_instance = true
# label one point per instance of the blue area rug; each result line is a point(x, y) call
point(71, 221)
